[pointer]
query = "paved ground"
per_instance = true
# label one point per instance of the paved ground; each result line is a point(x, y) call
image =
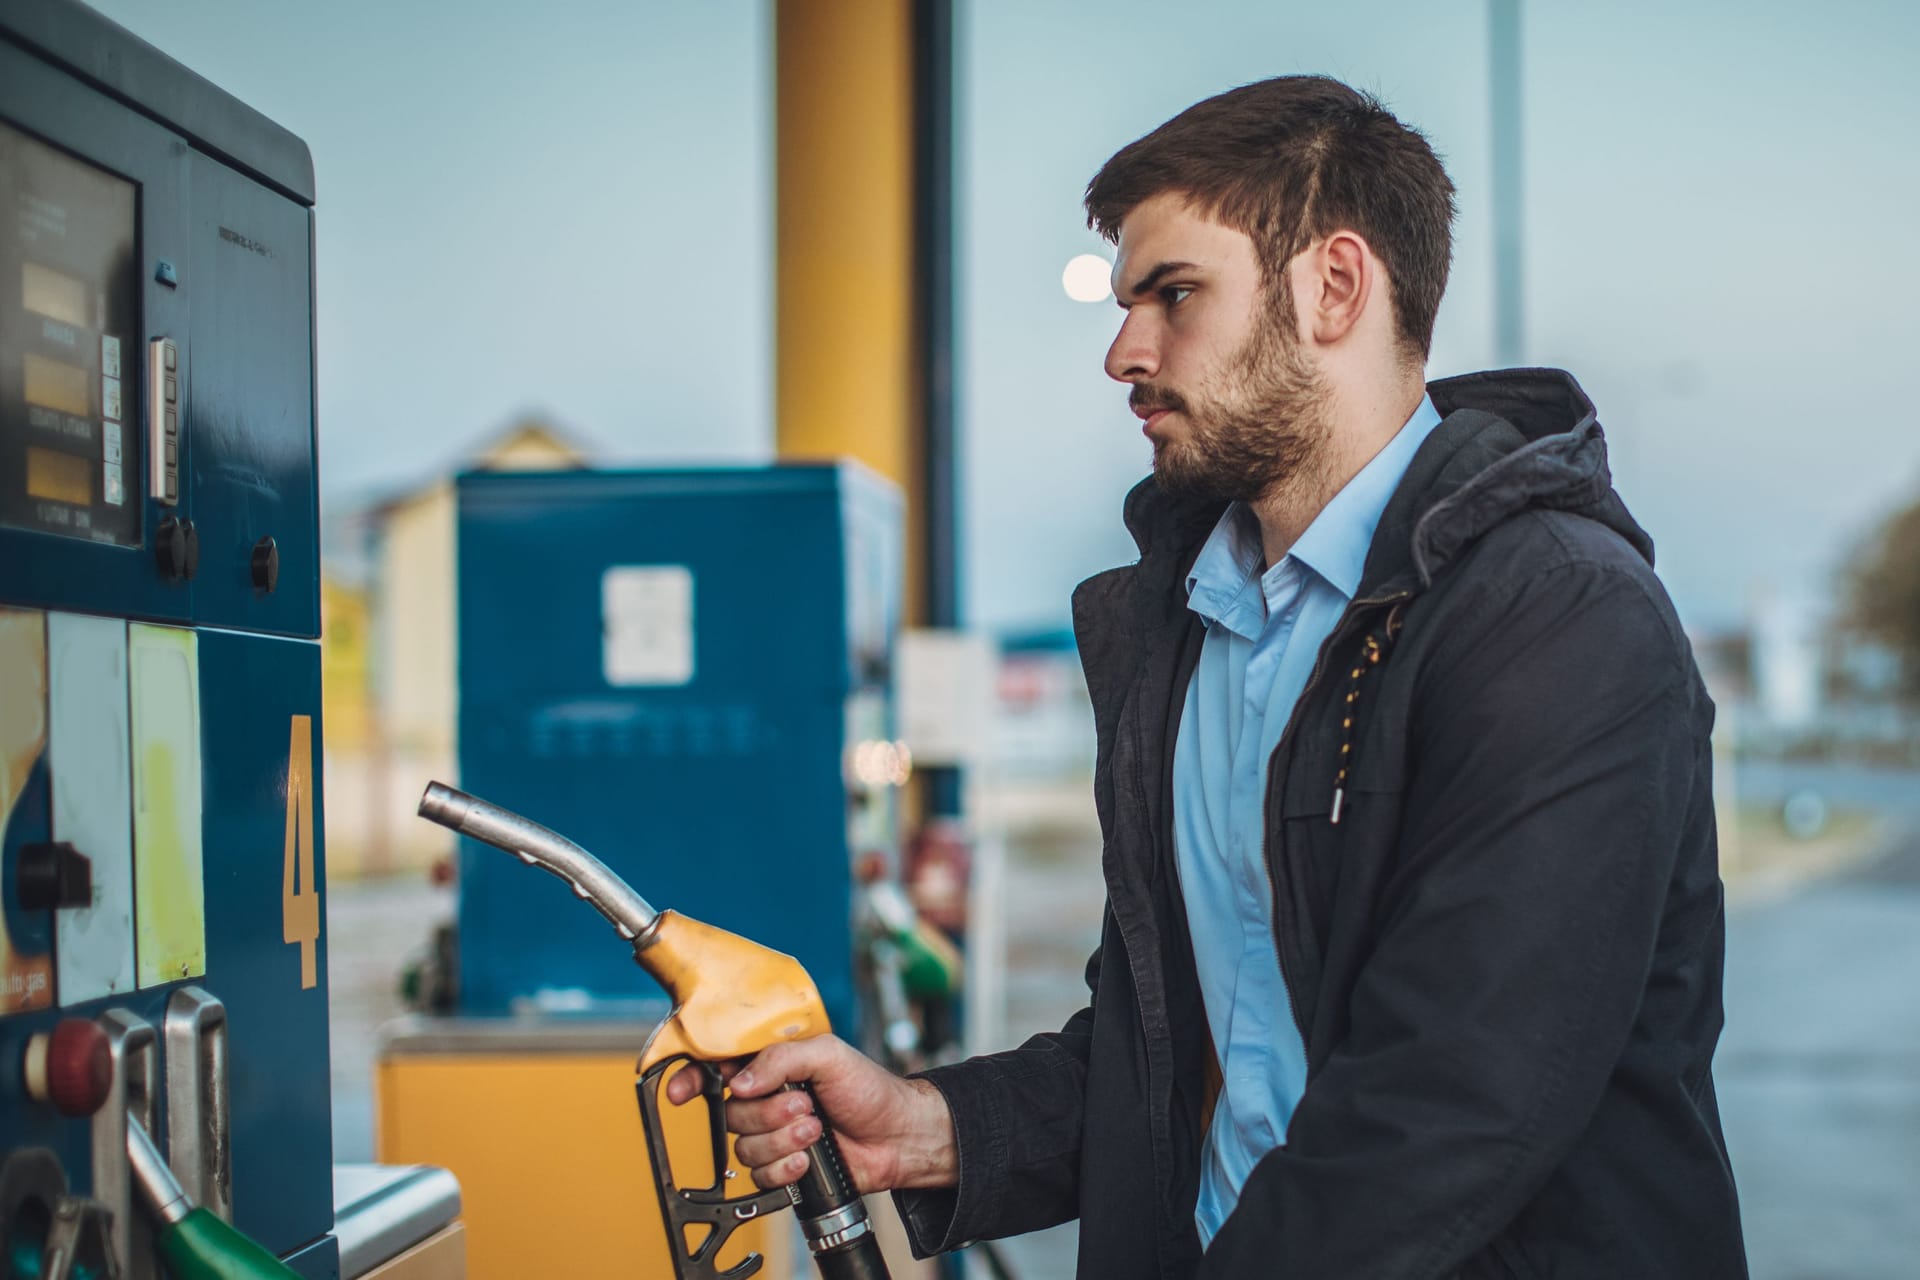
point(1819, 1074)
point(1054, 905)
point(1819, 1068)
point(373, 927)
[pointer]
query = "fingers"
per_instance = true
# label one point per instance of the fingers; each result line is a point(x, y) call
point(781, 1174)
point(779, 1157)
point(683, 1086)
point(790, 1062)
point(774, 1133)
point(775, 1125)
point(748, 1116)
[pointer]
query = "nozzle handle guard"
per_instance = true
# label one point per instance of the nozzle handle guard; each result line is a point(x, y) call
point(710, 1205)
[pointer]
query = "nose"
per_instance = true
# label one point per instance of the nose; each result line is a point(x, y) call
point(1135, 353)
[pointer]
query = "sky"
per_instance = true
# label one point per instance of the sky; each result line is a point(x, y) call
point(562, 210)
point(566, 211)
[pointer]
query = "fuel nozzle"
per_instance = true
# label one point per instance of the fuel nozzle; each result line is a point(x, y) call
point(732, 998)
point(194, 1244)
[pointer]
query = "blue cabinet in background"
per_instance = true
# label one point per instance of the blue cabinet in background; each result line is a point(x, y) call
point(675, 669)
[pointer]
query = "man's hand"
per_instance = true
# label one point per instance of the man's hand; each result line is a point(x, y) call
point(893, 1133)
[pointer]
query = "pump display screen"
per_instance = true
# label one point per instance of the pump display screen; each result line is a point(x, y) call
point(69, 347)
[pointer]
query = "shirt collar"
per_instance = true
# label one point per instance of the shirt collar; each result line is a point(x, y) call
point(1226, 584)
point(1335, 545)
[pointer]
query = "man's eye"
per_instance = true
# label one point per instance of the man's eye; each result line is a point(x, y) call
point(1175, 294)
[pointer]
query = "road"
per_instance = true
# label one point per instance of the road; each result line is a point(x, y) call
point(1819, 1072)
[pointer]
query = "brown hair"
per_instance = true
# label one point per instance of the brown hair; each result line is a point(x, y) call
point(1293, 159)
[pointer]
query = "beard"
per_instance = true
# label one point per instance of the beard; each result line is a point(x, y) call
point(1263, 429)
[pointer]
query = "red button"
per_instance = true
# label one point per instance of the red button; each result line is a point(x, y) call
point(78, 1067)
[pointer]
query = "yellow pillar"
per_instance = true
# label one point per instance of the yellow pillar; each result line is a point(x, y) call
point(845, 369)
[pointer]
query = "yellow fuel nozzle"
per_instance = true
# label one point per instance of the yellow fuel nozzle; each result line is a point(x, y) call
point(731, 997)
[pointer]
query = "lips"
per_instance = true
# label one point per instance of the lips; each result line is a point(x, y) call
point(1147, 427)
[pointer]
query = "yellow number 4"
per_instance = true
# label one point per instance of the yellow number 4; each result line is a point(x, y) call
point(299, 895)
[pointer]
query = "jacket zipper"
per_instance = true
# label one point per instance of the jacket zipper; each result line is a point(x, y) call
point(1335, 638)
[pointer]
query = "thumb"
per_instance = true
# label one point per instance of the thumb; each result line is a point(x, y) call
point(792, 1062)
point(684, 1085)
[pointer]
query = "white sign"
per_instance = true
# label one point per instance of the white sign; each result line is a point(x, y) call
point(88, 757)
point(945, 685)
point(646, 614)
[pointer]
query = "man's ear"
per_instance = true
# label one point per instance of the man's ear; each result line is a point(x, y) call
point(1338, 279)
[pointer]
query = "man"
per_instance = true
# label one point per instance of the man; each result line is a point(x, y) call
point(1411, 964)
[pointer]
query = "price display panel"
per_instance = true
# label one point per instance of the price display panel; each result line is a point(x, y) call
point(70, 357)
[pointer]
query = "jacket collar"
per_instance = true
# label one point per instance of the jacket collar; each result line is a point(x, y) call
point(1508, 440)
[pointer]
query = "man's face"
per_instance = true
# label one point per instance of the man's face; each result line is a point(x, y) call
point(1232, 403)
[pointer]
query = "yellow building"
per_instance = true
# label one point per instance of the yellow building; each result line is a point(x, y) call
point(346, 687)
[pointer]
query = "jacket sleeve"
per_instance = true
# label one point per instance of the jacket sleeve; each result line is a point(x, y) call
point(1016, 1119)
point(1552, 754)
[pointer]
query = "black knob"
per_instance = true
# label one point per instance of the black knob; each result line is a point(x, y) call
point(51, 876)
point(176, 549)
point(266, 565)
point(170, 549)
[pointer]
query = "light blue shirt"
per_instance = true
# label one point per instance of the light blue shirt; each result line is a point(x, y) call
point(1264, 631)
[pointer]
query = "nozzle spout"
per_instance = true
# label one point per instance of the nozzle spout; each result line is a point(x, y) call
point(150, 1173)
point(536, 846)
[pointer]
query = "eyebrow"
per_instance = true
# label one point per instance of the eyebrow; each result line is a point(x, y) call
point(1146, 283)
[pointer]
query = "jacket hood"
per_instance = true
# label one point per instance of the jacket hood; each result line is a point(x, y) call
point(1509, 441)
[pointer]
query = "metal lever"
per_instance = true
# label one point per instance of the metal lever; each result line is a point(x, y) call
point(79, 1242)
point(130, 1102)
point(537, 846)
point(199, 1133)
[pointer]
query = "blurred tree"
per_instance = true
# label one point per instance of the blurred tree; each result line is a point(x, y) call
point(1883, 589)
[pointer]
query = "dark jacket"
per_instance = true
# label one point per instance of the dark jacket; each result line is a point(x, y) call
point(1504, 957)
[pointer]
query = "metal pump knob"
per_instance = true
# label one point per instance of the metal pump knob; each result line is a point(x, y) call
point(263, 565)
point(176, 549)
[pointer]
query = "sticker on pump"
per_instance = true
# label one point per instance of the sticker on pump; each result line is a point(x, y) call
point(92, 799)
point(170, 910)
point(26, 962)
point(647, 621)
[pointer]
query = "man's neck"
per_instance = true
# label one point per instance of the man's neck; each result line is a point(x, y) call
point(1359, 426)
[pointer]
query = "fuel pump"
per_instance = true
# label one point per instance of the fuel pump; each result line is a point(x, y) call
point(164, 1080)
